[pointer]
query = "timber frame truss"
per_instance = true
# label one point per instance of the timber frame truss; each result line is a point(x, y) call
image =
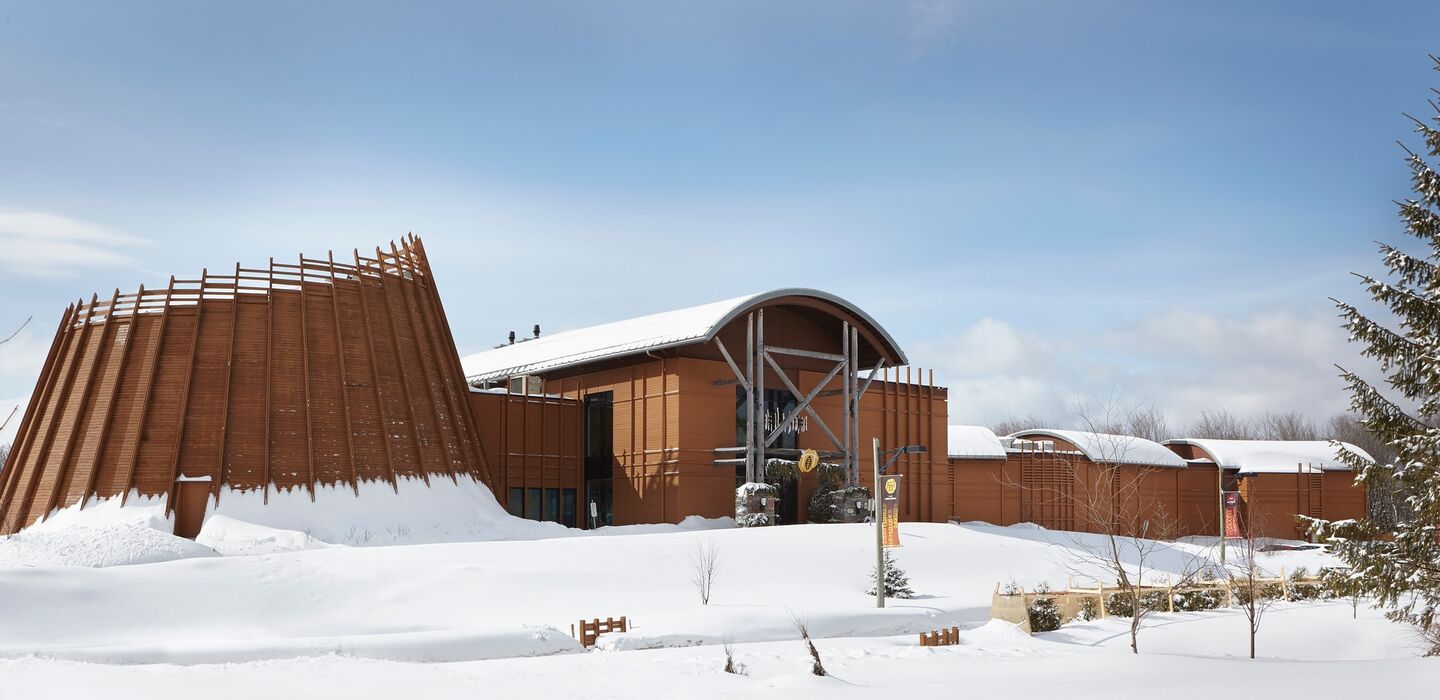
point(759, 439)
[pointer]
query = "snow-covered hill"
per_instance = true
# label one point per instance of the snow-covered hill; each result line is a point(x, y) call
point(454, 618)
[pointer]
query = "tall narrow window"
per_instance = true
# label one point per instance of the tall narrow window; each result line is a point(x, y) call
point(599, 458)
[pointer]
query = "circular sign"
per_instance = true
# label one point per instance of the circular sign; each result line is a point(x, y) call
point(890, 486)
point(809, 459)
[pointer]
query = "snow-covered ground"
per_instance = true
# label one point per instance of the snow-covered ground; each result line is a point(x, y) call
point(286, 614)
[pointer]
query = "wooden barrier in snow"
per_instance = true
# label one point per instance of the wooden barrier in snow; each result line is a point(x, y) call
point(1014, 606)
point(940, 638)
point(592, 629)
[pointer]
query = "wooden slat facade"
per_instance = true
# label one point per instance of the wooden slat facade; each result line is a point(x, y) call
point(296, 375)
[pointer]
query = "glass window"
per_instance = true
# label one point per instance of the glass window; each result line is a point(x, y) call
point(567, 507)
point(515, 502)
point(552, 505)
point(532, 504)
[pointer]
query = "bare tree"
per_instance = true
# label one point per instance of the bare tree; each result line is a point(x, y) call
point(704, 565)
point(1013, 424)
point(1107, 495)
point(801, 626)
point(1148, 422)
point(5, 450)
point(1222, 425)
point(1247, 581)
point(1291, 425)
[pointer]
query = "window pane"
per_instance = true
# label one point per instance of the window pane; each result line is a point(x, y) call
point(552, 504)
point(515, 503)
point(532, 504)
point(567, 507)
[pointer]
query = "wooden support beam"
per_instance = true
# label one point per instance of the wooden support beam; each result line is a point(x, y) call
point(305, 382)
point(24, 437)
point(221, 476)
point(344, 376)
point(74, 351)
point(85, 388)
point(108, 417)
point(404, 383)
point(375, 375)
point(144, 414)
point(422, 340)
point(181, 418)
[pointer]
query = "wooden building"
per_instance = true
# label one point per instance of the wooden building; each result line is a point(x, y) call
point(660, 417)
point(284, 377)
point(1280, 479)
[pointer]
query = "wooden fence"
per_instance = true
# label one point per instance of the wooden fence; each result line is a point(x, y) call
point(592, 629)
point(940, 638)
point(1014, 606)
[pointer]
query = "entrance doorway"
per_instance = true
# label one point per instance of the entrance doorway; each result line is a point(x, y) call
point(599, 459)
point(191, 497)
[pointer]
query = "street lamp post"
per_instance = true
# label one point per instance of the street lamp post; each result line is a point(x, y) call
point(875, 511)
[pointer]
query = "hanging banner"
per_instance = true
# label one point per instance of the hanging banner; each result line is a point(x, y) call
point(1231, 500)
point(890, 510)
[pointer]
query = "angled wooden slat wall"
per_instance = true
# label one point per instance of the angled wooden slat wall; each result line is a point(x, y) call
point(292, 376)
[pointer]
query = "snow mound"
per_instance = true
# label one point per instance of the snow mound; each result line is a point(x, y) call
point(137, 541)
point(231, 537)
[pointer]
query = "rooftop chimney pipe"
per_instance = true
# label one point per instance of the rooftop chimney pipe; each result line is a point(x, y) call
point(537, 330)
point(512, 337)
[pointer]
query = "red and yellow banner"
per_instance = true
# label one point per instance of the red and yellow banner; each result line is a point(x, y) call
point(890, 510)
point(1232, 513)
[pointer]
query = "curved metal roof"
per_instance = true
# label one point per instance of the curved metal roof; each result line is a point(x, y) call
point(668, 329)
point(1275, 456)
point(1118, 449)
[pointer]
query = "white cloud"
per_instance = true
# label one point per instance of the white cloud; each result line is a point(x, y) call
point(41, 244)
point(1182, 361)
point(931, 22)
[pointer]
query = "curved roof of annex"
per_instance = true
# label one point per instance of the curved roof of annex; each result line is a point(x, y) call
point(1116, 449)
point(667, 329)
point(1275, 456)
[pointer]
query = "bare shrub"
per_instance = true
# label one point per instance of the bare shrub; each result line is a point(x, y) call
point(704, 565)
point(816, 666)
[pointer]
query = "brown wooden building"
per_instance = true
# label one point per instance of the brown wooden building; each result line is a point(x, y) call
point(1279, 479)
point(649, 419)
point(1066, 480)
point(290, 376)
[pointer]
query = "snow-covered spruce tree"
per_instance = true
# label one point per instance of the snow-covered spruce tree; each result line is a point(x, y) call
point(897, 582)
point(1400, 566)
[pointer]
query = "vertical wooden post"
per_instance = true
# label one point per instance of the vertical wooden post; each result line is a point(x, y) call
point(305, 382)
point(404, 383)
point(221, 476)
point(53, 501)
point(109, 412)
point(385, 427)
point(75, 352)
point(171, 491)
point(411, 307)
point(344, 376)
point(144, 416)
point(269, 372)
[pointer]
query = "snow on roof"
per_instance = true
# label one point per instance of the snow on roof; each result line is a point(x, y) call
point(1121, 449)
point(1271, 456)
point(974, 441)
point(636, 335)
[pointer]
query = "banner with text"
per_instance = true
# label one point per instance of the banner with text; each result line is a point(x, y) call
point(890, 510)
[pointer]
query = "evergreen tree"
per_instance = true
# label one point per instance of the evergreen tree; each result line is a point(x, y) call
point(897, 583)
point(1400, 565)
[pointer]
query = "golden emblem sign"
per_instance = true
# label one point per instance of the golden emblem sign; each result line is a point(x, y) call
point(809, 459)
point(890, 486)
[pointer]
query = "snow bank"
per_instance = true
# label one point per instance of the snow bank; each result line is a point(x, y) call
point(231, 537)
point(413, 512)
point(417, 647)
point(104, 534)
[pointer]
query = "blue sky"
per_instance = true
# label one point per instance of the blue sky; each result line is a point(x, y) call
point(1041, 200)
